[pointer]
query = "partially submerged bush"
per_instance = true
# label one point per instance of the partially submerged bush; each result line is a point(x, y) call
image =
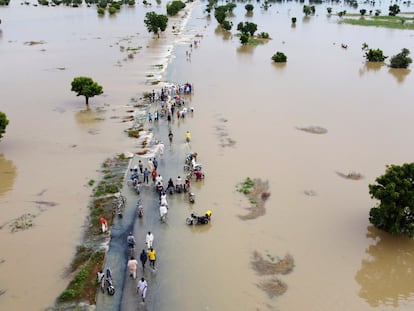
point(279, 57)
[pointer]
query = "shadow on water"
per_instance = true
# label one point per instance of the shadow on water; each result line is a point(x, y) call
point(7, 173)
point(386, 276)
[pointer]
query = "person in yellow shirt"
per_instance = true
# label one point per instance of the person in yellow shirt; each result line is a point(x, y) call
point(187, 137)
point(152, 257)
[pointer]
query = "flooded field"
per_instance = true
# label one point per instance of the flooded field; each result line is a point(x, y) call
point(248, 116)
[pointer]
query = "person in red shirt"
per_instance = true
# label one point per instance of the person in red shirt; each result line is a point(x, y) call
point(154, 175)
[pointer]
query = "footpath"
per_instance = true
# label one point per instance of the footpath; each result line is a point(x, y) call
point(126, 297)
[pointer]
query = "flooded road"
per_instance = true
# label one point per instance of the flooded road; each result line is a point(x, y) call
point(246, 113)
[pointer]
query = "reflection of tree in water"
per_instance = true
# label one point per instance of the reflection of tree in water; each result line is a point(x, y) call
point(387, 277)
point(89, 116)
point(399, 73)
point(370, 67)
point(226, 35)
point(7, 174)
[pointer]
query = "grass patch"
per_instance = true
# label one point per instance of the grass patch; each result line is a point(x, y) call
point(257, 193)
point(133, 133)
point(84, 285)
point(246, 186)
point(394, 22)
point(89, 258)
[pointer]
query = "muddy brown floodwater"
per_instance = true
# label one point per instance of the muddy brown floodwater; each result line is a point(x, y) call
point(247, 111)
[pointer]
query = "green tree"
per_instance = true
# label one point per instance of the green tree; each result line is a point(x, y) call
point(85, 86)
point(293, 19)
point(244, 38)
point(220, 14)
point(393, 10)
point(395, 191)
point(230, 7)
point(373, 55)
point(227, 25)
point(249, 7)
point(3, 123)
point(155, 22)
point(247, 28)
point(174, 7)
point(329, 10)
point(279, 57)
point(401, 60)
point(307, 10)
point(362, 12)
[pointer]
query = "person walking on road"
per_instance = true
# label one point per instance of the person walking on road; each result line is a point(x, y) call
point(143, 257)
point(146, 174)
point(142, 288)
point(149, 239)
point(141, 166)
point(132, 266)
point(152, 257)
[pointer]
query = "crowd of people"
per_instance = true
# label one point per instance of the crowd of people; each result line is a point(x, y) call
point(164, 104)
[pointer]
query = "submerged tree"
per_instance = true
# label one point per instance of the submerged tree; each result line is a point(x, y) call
point(249, 7)
point(401, 60)
point(373, 55)
point(155, 22)
point(174, 7)
point(279, 57)
point(395, 191)
point(3, 123)
point(85, 86)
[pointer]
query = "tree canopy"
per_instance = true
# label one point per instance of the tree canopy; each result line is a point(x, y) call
point(85, 86)
point(3, 123)
point(401, 60)
point(279, 57)
point(373, 55)
point(174, 7)
point(155, 22)
point(395, 191)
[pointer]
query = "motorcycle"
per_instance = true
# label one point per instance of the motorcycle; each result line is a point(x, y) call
point(195, 219)
point(105, 281)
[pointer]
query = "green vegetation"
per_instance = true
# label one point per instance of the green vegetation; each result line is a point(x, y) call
point(395, 212)
point(156, 23)
point(395, 22)
point(84, 284)
point(401, 60)
point(329, 10)
point(101, 11)
point(393, 10)
point(85, 86)
point(4, 2)
point(91, 182)
point(89, 258)
point(279, 57)
point(3, 123)
point(111, 10)
point(249, 7)
point(373, 55)
point(293, 19)
point(227, 25)
point(309, 10)
point(174, 7)
point(246, 186)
